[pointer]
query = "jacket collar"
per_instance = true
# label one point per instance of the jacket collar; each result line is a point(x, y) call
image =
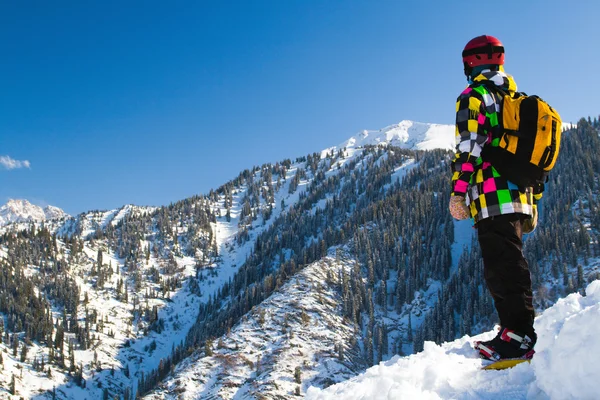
point(499, 78)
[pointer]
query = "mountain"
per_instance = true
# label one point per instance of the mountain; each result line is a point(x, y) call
point(563, 367)
point(407, 135)
point(24, 211)
point(275, 340)
point(293, 365)
point(296, 274)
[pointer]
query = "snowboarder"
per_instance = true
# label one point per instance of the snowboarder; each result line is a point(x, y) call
point(501, 211)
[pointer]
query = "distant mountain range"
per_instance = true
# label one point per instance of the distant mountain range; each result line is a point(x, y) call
point(20, 210)
point(406, 134)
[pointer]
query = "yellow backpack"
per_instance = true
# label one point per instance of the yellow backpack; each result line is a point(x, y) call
point(526, 145)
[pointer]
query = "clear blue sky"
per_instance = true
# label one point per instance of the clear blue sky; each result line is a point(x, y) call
point(148, 102)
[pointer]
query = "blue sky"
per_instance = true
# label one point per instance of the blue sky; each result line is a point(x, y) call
point(106, 103)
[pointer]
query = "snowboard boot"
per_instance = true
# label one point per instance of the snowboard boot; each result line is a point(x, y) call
point(506, 345)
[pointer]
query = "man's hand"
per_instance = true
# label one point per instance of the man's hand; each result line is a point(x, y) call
point(458, 208)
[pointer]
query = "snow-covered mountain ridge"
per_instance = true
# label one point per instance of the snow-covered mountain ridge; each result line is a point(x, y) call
point(407, 135)
point(20, 210)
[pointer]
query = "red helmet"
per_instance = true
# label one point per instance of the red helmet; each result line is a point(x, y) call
point(483, 50)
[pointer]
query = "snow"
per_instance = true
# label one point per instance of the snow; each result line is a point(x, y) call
point(564, 363)
point(563, 367)
point(21, 210)
point(407, 135)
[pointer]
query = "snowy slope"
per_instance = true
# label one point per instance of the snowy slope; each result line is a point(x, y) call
point(406, 135)
point(23, 211)
point(300, 326)
point(563, 368)
point(293, 329)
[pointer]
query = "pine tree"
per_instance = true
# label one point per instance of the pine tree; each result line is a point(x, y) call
point(24, 352)
point(580, 278)
point(15, 344)
point(13, 385)
point(72, 366)
point(298, 375)
point(208, 348)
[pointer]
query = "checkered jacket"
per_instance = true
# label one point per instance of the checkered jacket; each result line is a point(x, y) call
point(477, 116)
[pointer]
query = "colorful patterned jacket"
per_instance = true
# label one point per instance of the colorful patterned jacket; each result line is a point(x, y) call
point(477, 114)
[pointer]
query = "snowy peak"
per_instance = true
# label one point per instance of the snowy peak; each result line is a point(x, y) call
point(408, 135)
point(52, 212)
point(21, 210)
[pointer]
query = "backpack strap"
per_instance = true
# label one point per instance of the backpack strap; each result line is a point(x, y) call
point(538, 187)
point(500, 130)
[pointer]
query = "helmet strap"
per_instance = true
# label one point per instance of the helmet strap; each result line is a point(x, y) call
point(468, 70)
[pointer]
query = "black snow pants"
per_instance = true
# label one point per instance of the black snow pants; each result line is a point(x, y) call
point(506, 271)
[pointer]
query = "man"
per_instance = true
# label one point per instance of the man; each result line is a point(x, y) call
point(500, 209)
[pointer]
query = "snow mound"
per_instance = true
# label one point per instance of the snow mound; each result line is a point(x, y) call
point(563, 367)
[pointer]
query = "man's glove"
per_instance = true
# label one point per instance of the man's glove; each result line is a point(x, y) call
point(458, 208)
point(530, 223)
